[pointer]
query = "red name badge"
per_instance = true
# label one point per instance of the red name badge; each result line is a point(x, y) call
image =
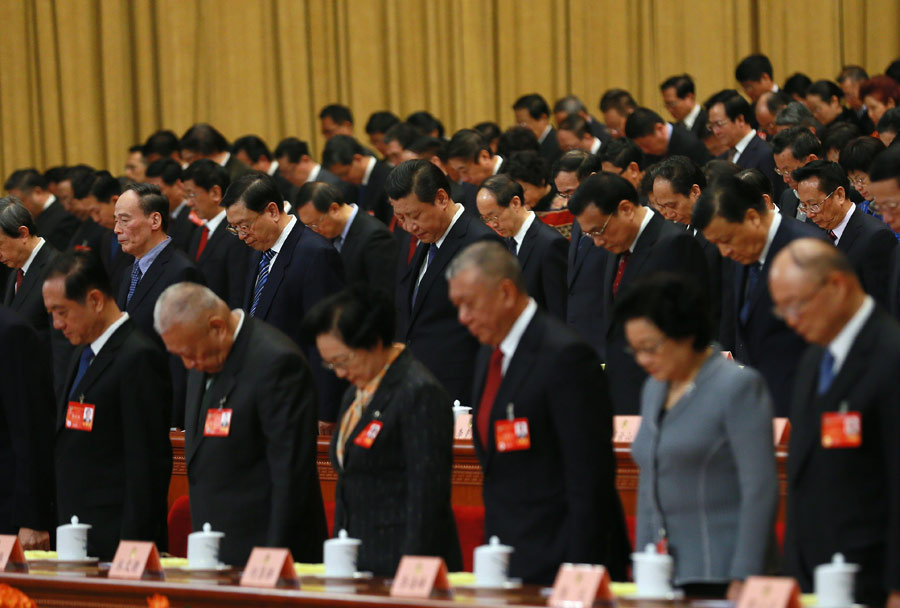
point(367, 436)
point(512, 435)
point(841, 430)
point(12, 557)
point(218, 423)
point(133, 558)
point(80, 416)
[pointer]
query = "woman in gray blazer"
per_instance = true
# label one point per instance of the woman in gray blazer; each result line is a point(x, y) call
point(708, 486)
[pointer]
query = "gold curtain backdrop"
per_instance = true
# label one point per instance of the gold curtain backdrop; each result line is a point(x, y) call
point(81, 80)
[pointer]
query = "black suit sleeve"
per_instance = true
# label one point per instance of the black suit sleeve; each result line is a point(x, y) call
point(553, 274)
point(324, 277)
point(380, 260)
point(875, 272)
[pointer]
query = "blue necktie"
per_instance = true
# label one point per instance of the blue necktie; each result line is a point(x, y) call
point(432, 251)
point(87, 355)
point(753, 272)
point(826, 371)
point(512, 246)
point(262, 274)
point(337, 242)
point(136, 275)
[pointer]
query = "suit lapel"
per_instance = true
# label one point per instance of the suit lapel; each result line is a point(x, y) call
point(576, 260)
point(32, 277)
point(443, 256)
point(276, 274)
point(214, 242)
point(528, 243)
point(851, 232)
point(642, 249)
point(148, 280)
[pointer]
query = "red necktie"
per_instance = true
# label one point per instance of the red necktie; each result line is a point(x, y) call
point(832, 236)
point(20, 274)
point(623, 260)
point(491, 386)
point(413, 243)
point(204, 236)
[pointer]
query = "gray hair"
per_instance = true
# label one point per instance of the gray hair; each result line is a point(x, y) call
point(570, 105)
point(796, 114)
point(14, 215)
point(492, 260)
point(184, 304)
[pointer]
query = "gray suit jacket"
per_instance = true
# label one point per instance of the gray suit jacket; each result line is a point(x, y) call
point(708, 474)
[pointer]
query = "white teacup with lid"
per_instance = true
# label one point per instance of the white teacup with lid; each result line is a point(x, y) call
point(203, 548)
point(341, 554)
point(492, 563)
point(459, 410)
point(71, 541)
point(652, 572)
point(834, 583)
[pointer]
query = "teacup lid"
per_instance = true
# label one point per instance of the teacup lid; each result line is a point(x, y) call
point(207, 531)
point(649, 554)
point(494, 546)
point(75, 525)
point(458, 406)
point(343, 539)
point(837, 565)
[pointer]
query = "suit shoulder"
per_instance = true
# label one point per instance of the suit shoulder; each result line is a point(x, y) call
point(476, 230)
point(796, 229)
point(547, 233)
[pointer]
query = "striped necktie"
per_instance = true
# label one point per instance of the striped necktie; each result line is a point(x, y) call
point(261, 275)
point(136, 275)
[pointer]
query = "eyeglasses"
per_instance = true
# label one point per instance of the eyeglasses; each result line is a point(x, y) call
point(490, 219)
point(859, 181)
point(718, 123)
point(242, 228)
point(880, 208)
point(598, 233)
point(338, 363)
point(784, 172)
point(795, 308)
point(646, 350)
point(315, 226)
point(815, 207)
point(564, 195)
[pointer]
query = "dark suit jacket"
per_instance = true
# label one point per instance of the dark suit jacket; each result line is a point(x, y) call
point(869, 244)
point(758, 154)
point(115, 265)
point(56, 225)
point(543, 260)
point(550, 150)
point(848, 500)
point(236, 168)
point(685, 143)
point(894, 285)
point(662, 246)
point(182, 229)
point(431, 328)
point(699, 126)
point(224, 264)
point(599, 130)
point(372, 197)
point(27, 412)
point(557, 501)
point(265, 469)
point(715, 274)
point(306, 270)
point(87, 237)
point(765, 342)
point(584, 277)
point(116, 477)
point(370, 253)
point(788, 203)
point(395, 495)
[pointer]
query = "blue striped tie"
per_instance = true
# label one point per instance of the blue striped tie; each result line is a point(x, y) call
point(136, 275)
point(262, 274)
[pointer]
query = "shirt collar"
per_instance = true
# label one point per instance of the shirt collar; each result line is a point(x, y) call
point(841, 344)
point(273, 168)
point(33, 255)
point(145, 262)
point(50, 200)
point(691, 118)
point(520, 235)
point(456, 216)
point(226, 159)
point(279, 243)
point(745, 141)
point(314, 174)
point(544, 135)
point(839, 229)
point(595, 146)
point(511, 342)
point(214, 223)
point(181, 207)
point(97, 344)
point(773, 228)
point(240, 324)
point(369, 168)
point(498, 160)
point(647, 217)
point(349, 221)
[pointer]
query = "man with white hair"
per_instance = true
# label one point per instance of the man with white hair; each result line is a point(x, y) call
point(250, 426)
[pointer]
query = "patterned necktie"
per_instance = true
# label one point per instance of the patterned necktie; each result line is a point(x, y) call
point(204, 238)
point(826, 371)
point(753, 272)
point(136, 275)
point(832, 236)
point(262, 274)
point(623, 261)
point(87, 355)
point(432, 251)
point(489, 394)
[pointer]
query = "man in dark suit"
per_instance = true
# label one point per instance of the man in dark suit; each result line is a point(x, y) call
point(78, 181)
point(867, 241)
point(165, 173)
point(253, 152)
point(27, 410)
point(659, 139)
point(540, 249)
point(205, 141)
point(574, 134)
point(105, 191)
point(220, 255)
point(51, 220)
point(731, 119)
point(640, 242)
point(570, 105)
point(368, 250)
point(113, 455)
point(426, 319)
point(351, 162)
point(469, 156)
point(792, 148)
point(680, 100)
point(250, 430)
point(733, 215)
point(845, 421)
point(884, 187)
point(554, 499)
point(533, 113)
point(291, 269)
point(297, 165)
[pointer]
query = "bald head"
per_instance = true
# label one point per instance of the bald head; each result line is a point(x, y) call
point(186, 304)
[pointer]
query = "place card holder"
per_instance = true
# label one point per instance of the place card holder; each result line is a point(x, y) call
point(625, 428)
point(12, 557)
point(133, 559)
point(419, 576)
point(463, 427)
point(579, 586)
point(267, 567)
point(769, 592)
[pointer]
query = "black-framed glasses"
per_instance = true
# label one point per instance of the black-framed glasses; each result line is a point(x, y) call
point(814, 207)
point(242, 229)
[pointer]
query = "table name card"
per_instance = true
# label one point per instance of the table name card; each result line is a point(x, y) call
point(770, 592)
point(727, 354)
point(782, 428)
point(134, 558)
point(579, 586)
point(267, 566)
point(11, 555)
point(463, 427)
point(418, 576)
point(625, 428)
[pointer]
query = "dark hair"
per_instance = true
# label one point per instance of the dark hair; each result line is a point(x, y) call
point(645, 187)
point(105, 186)
point(293, 148)
point(206, 174)
point(320, 194)
point(777, 101)
point(151, 200)
point(641, 123)
point(622, 152)
point(135, 148)
point(204, 139)
point(340, 150)
point(527, 166)
point(753, 68)
point(729, 198)
point(830, 174)
point(380, 122)
point(757, 178)
point(801, 142)
point(253, 145)
point(886, 165)
point(570, 104)
point(361, 315)
point(337, 113)
point(796, 114)
point(893, 70)
point(859, 153)
point(489, 130)
point(425, 123)
point(881, 88)
point(167, 169)
point(568, 162)
point(673, 303)
point(256, 190)
point(534, 104)
point(13, 215)
point(837, 135)
point(467, 144)
point(403, 133)
point(683, 85)
point(681, 173)
point(576, 124)
point(81, 178)
point(717, 167)
point(619, 100)
point(162, 143)
point(855, 73)
point(797, 84)
point(604, 191)
point(419, 177)
point(428, 146)
point(25, 180)
point(591, 164)
point(889, 121)
point(517, 139)
point(82, 272)
point(54, 175)
point(735, 105)
point(825, 89)
point(504, 188)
